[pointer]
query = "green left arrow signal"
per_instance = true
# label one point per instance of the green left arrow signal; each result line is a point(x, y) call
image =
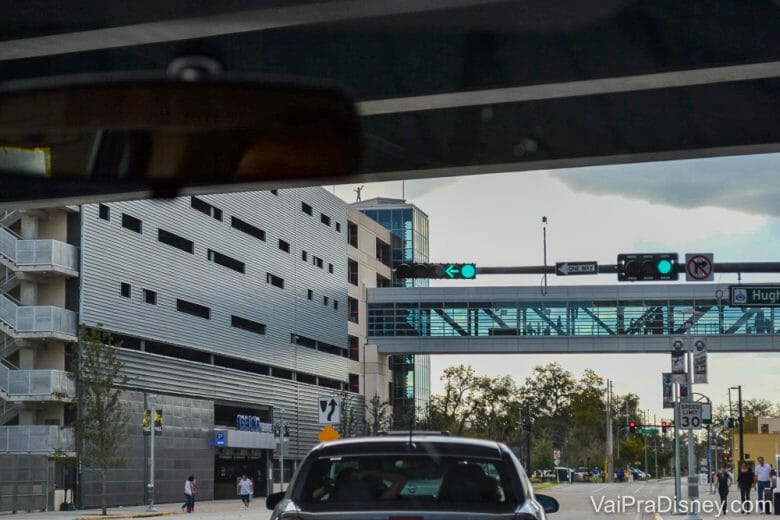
point(451, 271)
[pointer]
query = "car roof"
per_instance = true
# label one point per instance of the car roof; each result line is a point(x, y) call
point(423, 444)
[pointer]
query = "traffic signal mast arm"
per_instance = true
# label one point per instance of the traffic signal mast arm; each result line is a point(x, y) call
point(720, 267)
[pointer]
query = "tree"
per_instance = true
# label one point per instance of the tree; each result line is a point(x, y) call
point(451, 411)
point(379, 416)
point(352, 415)
point(101, 427)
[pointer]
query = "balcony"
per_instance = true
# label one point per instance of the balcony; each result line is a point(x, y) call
point(39, 440)
point(36, 321)
point(36, 385)
point(37, 256)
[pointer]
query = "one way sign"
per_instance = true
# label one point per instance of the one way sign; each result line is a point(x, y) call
point(573, 268)
point(329, 409)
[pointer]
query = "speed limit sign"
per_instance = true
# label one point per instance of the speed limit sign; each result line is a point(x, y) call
point(690, 416)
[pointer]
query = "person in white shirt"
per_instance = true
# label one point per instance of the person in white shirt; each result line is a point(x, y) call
point(245, 490)
point(189, 494)
point(763, 481)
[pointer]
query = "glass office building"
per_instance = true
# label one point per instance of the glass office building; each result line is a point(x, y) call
point(408, 227)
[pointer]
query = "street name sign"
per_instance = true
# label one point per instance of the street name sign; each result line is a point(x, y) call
point(699, 267)
point(648, 431)
point(767, 295)
point(690, 416)
point(576, 268)
point(329, 409)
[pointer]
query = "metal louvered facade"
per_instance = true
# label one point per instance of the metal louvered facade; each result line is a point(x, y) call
point(228, 290)
point(114, 255)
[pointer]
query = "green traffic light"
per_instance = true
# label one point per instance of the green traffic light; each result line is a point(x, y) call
point(664, 266)
point(468, 271)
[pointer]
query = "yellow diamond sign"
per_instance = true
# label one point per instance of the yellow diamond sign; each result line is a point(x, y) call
point(328, 434)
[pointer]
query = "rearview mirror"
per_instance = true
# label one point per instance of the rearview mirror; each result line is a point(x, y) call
point(68, 139)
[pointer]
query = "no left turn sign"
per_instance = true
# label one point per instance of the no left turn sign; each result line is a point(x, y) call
point(699, 267)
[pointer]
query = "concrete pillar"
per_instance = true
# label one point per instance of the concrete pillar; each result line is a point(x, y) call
point(27, 358)
point(28, 292)
point(29, 225)
point(51, 357)
point(26, 417)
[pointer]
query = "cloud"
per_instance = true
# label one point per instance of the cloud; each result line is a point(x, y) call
point(749, 183)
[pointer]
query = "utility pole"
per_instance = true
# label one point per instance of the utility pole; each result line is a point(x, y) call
point(151, 507)
point(677, 483)
point(741, 425)
point(655, 450)
point(644, 437)
point(610, 464)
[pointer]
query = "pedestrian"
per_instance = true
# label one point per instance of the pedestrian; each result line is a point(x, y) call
point(745, 480)
point(722, 481)
point(763, 481)
point(189, 494)
point(245, 490)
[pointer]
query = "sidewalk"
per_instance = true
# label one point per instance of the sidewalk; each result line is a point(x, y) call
point(203, 510)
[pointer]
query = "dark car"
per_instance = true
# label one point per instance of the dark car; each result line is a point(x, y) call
point(421, 477)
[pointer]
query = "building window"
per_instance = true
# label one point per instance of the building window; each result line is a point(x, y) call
point(325, 300)
point(316, 260)
point(131, 223)
point(335, 304)
point(275, 192)
point(383, 252)
point(245, 324)
point(310, 294)
point(330, 268)
point(381, 281)
point(338, 227)
point(354, 383)
point(281, 372)
point(352, 272)
point(284, 246)
point(306, 208)
point(104, 212)
point(204, 207)
point(193, 309)
point(125, 290)
point(150, 296)
point(274, 280)
point(247, 228)
point(176, 241)
point(304, 256)
point(308, 379)
point(225, 261)
point(352, 234)
point(329, 383)
point(353, 310)
point(354, 348)
point(325, 219)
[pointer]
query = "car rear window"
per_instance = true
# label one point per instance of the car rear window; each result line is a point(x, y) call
point(404, 481)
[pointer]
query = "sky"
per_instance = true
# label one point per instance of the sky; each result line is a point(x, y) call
point(728, 206)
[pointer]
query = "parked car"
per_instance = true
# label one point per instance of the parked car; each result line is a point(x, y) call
point(422, 476)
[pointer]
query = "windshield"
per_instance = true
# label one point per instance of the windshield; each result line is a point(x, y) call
point(553, 226)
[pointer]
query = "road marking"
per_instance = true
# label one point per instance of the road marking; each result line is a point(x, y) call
point(637, 489)
point(598, 489)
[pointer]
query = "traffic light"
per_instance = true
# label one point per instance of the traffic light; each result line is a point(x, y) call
point(447, 271)
point(632, 426)
point(647, 267)
point(663, 427)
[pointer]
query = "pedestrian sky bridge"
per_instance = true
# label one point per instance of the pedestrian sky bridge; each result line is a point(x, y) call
point(573, 319)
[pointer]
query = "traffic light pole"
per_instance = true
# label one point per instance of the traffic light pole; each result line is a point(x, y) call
point(677, 483)
point(693, 480)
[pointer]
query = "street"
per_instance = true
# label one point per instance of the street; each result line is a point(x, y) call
point(578, 501)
